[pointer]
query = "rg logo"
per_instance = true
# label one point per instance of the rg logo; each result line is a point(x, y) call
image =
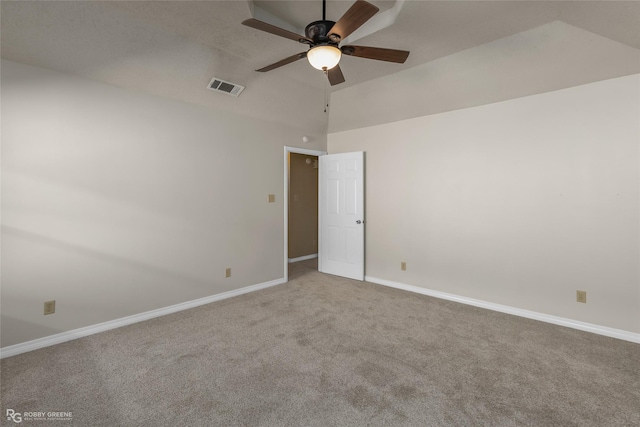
point(14, 416)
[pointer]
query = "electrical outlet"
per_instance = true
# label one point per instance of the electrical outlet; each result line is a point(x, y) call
point(227, 272)
point(403, 266)
point(581, 296)
point(49, 307)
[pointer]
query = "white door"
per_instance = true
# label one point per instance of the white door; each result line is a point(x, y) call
point(341, 215)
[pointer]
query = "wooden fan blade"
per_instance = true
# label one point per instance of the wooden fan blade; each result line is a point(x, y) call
point(285, 61)
point(378, 53)
point(335, 75)
point(358, 14)
point(272, 29)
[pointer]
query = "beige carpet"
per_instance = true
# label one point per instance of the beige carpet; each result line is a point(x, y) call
point(326, 351)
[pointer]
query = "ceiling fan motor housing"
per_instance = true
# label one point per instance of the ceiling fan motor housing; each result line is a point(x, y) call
point(317, 31)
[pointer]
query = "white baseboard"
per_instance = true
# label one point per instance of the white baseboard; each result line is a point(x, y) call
point(303, 258)
point(124, 321)
point(556, 320)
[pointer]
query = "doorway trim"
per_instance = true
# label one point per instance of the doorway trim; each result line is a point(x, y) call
point(288, 150)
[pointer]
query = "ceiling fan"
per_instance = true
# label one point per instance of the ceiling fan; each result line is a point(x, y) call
point(324, 37)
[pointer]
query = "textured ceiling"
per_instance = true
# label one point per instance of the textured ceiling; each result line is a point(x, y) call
point(546, 58)
point(173, 48)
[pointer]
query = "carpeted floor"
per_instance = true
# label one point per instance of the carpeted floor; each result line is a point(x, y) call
point(327, 351)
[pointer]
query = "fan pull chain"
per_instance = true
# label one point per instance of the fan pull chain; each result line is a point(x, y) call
point(326, 93)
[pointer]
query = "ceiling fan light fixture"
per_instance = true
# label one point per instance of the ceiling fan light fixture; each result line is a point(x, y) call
point(324, 57)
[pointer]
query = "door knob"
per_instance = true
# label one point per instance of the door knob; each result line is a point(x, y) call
point(358, 222)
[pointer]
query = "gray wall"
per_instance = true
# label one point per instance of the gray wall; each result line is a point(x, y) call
point(116, 202)
point(519, 203)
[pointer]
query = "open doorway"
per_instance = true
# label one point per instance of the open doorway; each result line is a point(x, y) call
point(301, 206)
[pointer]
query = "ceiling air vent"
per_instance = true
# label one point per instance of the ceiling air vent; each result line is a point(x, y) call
point(226, 87)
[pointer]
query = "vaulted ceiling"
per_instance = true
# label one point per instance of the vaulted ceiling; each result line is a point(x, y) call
point(173, 48)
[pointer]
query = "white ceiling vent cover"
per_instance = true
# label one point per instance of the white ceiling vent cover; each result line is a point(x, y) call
point(229, 88)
